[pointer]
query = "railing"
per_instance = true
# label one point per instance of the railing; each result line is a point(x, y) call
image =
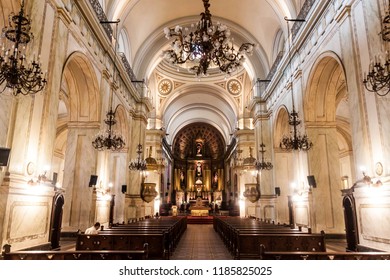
point(127, 66)
point(102, 17)
point(302, 15)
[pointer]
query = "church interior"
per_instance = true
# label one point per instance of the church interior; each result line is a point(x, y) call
point(261, 123)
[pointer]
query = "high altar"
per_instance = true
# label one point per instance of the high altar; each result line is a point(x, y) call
point(198, 179)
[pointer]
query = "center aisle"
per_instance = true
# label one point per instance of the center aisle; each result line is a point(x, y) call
point(201, 242)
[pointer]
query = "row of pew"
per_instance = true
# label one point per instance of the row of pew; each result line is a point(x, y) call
point(160, 237)
point(244, 236)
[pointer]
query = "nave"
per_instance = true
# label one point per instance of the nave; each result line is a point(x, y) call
point(201, 242)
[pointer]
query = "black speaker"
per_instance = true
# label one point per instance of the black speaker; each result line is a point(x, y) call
point(166, 194)
point(124, 188)
point(4, 156)
point(312, 181)
point(93, 180)
point(55, 175)
point(277, 191)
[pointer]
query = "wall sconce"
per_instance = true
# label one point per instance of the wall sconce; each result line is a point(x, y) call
point(368, 181)
point(42, 178)
point(103, 192)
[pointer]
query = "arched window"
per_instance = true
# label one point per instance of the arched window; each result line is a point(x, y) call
point(123, 45)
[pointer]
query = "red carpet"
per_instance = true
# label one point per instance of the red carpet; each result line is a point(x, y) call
point(199, 219)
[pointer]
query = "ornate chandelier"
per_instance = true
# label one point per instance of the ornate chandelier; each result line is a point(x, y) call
point(207, 45)
point(15, 72)
point(109, 139)
point(138, 164)
point(378, 78)
point(295, 141)
point(262, 165)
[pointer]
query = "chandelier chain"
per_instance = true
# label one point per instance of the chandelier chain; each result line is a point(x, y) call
point(109, 139)
point(296, 141)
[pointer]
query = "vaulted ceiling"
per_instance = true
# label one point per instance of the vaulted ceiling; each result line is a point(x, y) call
point(209, 100)
point(181, 100)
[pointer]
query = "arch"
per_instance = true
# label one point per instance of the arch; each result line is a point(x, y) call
point(281, 126)
point(83, 93)
point(122, 124)
point(278, 45)
point(207, 104)
point(325, 80)
point(124, 45)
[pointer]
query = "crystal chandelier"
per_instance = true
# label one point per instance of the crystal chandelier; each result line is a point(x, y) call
point(378, 78)
point(109, 139)
point(15, 73)
point(295, 141)
point(207, 45)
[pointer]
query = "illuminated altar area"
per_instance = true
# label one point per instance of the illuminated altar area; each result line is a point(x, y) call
point(198, 179)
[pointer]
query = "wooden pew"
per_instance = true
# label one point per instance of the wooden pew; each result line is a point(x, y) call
point(173, 227)
point(156, 243)
point(6, 254)
point(278, 242)
point(161, 236)
point(301, 255)
point(78, 255)
point(243, 236)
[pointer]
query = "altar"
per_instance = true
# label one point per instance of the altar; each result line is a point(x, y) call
point(199, 209)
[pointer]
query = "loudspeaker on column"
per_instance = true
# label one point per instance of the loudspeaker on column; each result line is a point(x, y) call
point(311, 181)
point(93, 180)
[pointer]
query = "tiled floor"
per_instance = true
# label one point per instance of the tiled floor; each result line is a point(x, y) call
point(201, 242)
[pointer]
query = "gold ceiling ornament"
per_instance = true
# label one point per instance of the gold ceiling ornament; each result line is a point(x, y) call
point(234, 86)
point(165, 87)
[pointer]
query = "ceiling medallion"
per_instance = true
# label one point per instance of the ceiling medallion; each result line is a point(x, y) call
point(165, 87)
point(234, 86)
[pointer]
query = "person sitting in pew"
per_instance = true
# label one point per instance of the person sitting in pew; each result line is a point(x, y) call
point(93, 229)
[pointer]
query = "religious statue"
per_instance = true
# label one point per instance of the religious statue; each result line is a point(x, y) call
point(198, 173)
point(215, 180)
point(198, 149)
point(181, 178)
point(198, 169)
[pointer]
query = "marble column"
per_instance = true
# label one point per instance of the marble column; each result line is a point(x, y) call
point(80, 163)
point(324, 165)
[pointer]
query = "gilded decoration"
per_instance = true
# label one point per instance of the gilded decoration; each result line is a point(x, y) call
point(234, 87)
point(165, 87)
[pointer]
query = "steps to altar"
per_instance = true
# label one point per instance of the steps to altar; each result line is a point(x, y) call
point(200, 219)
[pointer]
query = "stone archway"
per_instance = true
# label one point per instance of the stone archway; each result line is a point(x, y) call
point(283, 165)
point(327, 120)
point(77, 123)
